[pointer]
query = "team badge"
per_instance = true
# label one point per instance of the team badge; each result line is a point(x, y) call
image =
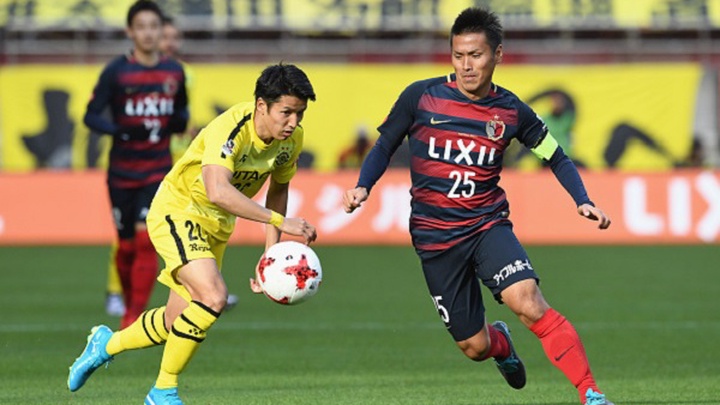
point(170, 86)
point(495, 129)
point(282, 158)
point(227, 148)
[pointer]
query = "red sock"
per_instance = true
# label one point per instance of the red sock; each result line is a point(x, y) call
point(565, 350)
point(124, 257)
point(144, 273)
point(499, 346)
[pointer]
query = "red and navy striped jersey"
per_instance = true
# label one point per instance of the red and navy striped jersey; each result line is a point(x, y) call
point(147, 105)
point(456, 146)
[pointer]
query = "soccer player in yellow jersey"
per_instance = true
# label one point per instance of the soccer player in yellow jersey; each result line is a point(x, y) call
point(193, 215)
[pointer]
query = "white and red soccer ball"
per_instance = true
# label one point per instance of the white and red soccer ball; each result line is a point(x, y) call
point(289, 272)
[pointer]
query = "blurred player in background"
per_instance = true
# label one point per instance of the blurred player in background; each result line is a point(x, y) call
point(145, 92)
point(458, 128)
point(114, 300)
point(170, 45)
point(353, 156)
point(193, 215)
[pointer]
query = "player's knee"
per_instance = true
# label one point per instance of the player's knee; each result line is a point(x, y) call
point(526, 300)
point(216, 299)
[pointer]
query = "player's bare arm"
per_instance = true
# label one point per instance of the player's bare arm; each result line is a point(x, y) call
point(354, 198)
point(221, 192)
point(276, 200)
point(594, 214)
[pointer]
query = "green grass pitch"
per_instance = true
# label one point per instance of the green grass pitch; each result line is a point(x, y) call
point(649, 318)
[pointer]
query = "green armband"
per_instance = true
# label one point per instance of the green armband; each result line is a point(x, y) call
point(546, 148)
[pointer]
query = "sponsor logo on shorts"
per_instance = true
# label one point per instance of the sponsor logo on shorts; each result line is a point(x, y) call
point(510, 269)
point(199, 248)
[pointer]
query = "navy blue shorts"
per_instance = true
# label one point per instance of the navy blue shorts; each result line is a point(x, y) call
point(130, 206)
point(453, 276)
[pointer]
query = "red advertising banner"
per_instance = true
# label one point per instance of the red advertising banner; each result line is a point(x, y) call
point(681, 207)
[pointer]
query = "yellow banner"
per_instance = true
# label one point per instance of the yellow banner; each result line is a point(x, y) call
point(637, 117)
point(352, 15)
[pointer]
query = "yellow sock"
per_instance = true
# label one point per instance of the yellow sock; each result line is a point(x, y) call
point(186, 334)
point(148, 330)
point(113, 281)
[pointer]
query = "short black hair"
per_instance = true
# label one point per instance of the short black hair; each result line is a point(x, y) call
point(167, 20)
point(143, 5)
point(479, 20)
point(283, 80)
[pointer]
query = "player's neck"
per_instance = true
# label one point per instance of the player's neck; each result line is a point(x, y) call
point(146, 58)
point(261, 131)
point(478, 94)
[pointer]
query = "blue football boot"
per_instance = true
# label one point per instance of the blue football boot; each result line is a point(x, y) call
point(168, 396)
point(595, 398)
point(93, 356)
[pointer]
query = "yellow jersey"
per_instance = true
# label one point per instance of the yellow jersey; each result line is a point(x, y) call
point(230, 141)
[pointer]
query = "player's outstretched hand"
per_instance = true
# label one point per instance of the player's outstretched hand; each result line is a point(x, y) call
point(255, 286)
point(354, 198)
point(299, 227)
point(595, 214)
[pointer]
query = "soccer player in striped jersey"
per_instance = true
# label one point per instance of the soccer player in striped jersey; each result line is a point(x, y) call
point(458, 128)
point(193, 215)
point(146, 96)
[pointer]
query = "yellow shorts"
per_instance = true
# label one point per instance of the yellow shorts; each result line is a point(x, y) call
point(180, 238)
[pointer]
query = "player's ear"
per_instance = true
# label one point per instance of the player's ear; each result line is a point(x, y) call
point(498, 53)
point(261, 106)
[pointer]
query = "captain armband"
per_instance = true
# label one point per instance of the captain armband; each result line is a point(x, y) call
point(276, 219)
point(546, 148)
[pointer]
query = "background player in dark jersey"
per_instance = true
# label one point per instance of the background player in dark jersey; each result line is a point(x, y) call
point(458, 128)
point(146, 95)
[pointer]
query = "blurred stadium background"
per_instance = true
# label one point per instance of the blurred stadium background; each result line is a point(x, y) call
point(630, 86)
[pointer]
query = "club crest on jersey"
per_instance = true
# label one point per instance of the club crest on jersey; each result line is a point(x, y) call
point(282, 158)
point(170, 86)
point(227, 148)
point(495, 129)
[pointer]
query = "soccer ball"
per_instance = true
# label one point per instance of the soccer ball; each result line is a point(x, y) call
point(289, 273)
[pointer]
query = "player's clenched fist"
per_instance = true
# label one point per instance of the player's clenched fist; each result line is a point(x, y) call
point(595, 214)
point(354, 198)
point(299, 227)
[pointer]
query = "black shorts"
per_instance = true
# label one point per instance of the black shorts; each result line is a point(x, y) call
point(494, 256)
point(130, 206)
